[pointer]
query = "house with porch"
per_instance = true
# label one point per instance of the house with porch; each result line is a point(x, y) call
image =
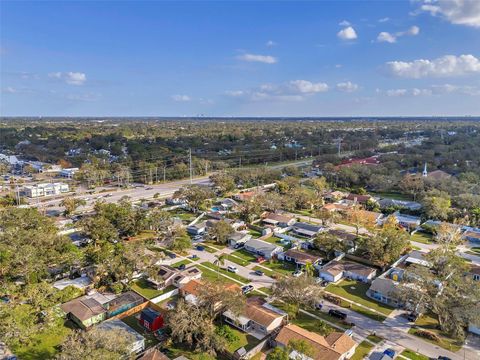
point(278, 220)
point(305, 229)
point(300, 258)
point(337, 270)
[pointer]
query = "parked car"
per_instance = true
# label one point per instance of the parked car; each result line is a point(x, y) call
point(411, 316)
point(318, 306)
point(247, 288)
point(259, 272)
point(200, 248)
point(193, 257)
point(239, 245)
point(297, 273)
point(172, 255)
point(181, 267)
point(389, 352)
point(443, 358)
point(337, 313)
point(149, 188)
point(232, 268)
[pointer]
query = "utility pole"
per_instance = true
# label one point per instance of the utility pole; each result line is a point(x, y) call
point(164, 173)
point(190, 159)
point(206, 167)
point(339, 147)
point(240, 162)
point(156, 174)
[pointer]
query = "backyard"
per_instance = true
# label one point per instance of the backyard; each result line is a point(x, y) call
point(143, 287)
point(132, 321)
point(422, 237)
point(357, 292)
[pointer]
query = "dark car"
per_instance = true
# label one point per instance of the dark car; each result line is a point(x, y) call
point(259, 272)
point(412, 317)
point(172, 255)
point(239, 245)
point(443, 358)
point(337, 314)
point(389, 352)
point(181, 267)
point(200, 248)
point(246, 289)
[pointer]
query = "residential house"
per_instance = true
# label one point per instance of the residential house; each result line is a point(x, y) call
point(163, 277)
point(344, 236)
point(336, 207)
point(259, 317)
point(153, 354)
point(384, 287)
point(262, 248)
point(245, 196)
point(191, 290)
point(335, 346)
point(359, 199)
point(386, 203)
point(198, 228)
point(437, 175)
point(238, 237)
point(300, 258)
point(407, 222)
point(279, 220)
point(175, 201)
point(336, 270)
point(305, 229)
point(187, 275)
point(87, 310)
point(228, 204)
point(138, 341)
point(68, 173)
point(334, 195)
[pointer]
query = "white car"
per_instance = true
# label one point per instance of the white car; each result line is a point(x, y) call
point(297, 273)
point(232, 269)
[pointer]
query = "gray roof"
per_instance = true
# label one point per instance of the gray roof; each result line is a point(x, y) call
point(306, 226)
point(260, 245)
point(383, 286)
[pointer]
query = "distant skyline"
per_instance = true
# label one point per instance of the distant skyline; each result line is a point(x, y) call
point(232, 58)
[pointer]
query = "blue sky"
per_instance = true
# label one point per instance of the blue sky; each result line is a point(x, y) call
point(250, 58)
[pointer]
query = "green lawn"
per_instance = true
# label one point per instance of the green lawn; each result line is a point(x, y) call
point(412, 355)
point(430, 323)
point(182, 262)
point(283, 268)
point(422, 237)
point(44, 344)
point(266, 271)
point(143, 288)
point(150, 339)
point(329, 318)
point(176, 350)
point(245, 255)
point(254, 233)
point(374, 338)
point(311, 324)
point(362, 351)
point(223, 271)
point(244, 340)
point(357, 292)
point(239, 261)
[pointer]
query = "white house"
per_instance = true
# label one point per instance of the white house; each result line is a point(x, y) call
point(336, 270)
point(238, 237)
point(45, 189)
point(262, 248)
point(69, 172)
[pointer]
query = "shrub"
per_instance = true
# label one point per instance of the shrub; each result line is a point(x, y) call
point(427, 335)
point(227, 333)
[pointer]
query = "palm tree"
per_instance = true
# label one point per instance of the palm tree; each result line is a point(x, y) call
point(219, 260)
point(309, 269)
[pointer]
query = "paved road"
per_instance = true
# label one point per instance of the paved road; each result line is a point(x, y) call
point(135, 194)
point(365, 326)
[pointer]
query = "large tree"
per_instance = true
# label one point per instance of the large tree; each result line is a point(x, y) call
point(297, 291)
point(196, 195)
point(97, 344)
point(71, 204)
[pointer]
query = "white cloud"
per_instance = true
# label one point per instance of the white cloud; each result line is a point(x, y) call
point(434, 90)
point(385, 19)
point(344, 23)
point(294, 90)
point(10, 90)
point(460, 12)
point(348, 33)
point(392, 38)
point(266, 59)
point(270, 43)
point(445, 66)
point(72, 78)
point(181, 98)
point(307, 87)
point(397, 92)
point(386, 37)
point(413, 31)
point(347, 86)
point(338, 66)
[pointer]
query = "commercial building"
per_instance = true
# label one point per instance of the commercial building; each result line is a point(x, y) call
point(45, 189)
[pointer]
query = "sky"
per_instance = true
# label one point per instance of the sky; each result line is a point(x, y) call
point(240, 58)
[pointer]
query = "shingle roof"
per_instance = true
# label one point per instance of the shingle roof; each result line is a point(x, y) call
point(330, 348)
point(255, 311)
point(302, 256)
point(83, 308)
point(335, 267)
